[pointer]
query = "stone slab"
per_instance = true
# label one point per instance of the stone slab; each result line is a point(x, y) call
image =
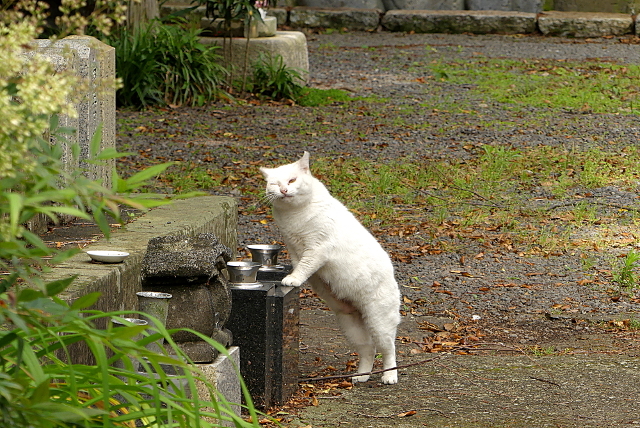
point(531, 6)
point(291, 45)
point(95, 62)
point(609, 6)
point(353, 19)
point(351, 4)
point(223, 375)
point(479, 22)
point(424, 4)
point(584, 24)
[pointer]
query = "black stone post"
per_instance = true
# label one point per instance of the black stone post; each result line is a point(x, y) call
point(264, 323)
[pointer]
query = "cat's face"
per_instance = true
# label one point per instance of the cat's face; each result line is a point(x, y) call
point(288, 183)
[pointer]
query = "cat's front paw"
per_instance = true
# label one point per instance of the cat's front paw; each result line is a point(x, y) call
point(291, 281)
point(390, 377)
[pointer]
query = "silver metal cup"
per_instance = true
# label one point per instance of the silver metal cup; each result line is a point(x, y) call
point(266, 255)
point(242, 272)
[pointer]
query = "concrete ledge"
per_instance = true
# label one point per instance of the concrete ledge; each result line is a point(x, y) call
point(118, 283)
point(577, 24)
point(354, 19)
point(457, 21)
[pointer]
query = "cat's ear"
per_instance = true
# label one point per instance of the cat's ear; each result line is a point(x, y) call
point(303, 163)
point(265, 172)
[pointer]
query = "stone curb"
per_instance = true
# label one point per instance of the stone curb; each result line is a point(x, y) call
point(440, 21)
point(565, 24)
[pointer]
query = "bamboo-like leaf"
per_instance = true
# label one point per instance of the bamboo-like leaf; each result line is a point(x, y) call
point(96, 140)
point(56, 287)
point(29, 294)
point(85, 301)
point(15, 207)
point(8, 338)
point(146, 174)
point(7, 282)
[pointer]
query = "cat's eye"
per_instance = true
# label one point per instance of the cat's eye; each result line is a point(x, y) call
point(293, 180)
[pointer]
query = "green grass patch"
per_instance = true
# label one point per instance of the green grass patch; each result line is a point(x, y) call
point(314, 97)
point(599, 87)
point(189, 178)
point(488, 192)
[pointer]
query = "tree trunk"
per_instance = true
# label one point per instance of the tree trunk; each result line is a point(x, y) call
point(139, 12)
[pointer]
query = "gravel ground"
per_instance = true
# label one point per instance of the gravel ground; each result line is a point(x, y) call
point(490, 289)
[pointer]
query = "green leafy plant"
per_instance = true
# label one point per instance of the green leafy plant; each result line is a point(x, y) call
point(624, 274)
point(272, 78)
point(164, 63)
point(40, 384)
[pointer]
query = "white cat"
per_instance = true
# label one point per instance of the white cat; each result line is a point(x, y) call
point(340, 259)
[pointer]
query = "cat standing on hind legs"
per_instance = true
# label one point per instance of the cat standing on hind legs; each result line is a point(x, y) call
point(341, 260)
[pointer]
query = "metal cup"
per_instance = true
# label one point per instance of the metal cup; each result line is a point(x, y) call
point(266, 255)
point(242, 272)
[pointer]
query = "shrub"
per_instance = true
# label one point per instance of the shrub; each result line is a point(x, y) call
point(164, 63)
point(272, 78)
point(40, 386)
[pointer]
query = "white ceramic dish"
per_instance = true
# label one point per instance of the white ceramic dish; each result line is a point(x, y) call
point(108, 256)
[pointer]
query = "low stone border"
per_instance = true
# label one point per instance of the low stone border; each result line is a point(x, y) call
point(566, 24)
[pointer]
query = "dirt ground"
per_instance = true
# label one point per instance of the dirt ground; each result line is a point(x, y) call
point(490, 336)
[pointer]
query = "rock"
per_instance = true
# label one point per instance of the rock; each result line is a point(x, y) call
point(353, 19)
point(424, 4)
point(479, 22)
point(187, 259)
point(189, 268)
point(584, 24)
point(531, 6)
point(350, 4)
point(619, 6)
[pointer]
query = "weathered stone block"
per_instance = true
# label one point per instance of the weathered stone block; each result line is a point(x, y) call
point(579, 24)
point(119, 283)
point(290, 45)
point(609, 6)
point(479, 22)
point(189, 268)
point(354, 19)
point(351, 4)
point(530, 6)
point(424, 4)
point(222, 374)
point(95, 62)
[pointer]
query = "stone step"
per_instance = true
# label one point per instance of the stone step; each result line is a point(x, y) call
point(584, 24)
point(455, 21)
point(565, 24)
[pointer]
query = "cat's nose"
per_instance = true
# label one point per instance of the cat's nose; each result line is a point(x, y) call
point(283, 190)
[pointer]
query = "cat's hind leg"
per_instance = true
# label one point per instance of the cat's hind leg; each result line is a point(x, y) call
point(352, 326)
point(381, 323)
point(354, 329)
